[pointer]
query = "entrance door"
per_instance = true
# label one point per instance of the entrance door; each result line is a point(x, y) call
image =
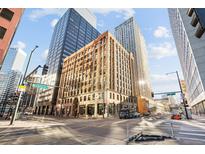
point(75, 107)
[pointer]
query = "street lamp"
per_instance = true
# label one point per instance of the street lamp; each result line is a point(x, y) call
point(182, 95)
point(22, 82)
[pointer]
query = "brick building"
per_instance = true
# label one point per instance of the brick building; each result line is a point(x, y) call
point(97, 80)
point(9, 20)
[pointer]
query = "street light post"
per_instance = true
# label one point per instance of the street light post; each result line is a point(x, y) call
point(22, 82)
point(182, 95)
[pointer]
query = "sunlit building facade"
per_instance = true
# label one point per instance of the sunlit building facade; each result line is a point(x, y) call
point(9, 21)
point(10, 75)
point(97, 80)
point(129, 35)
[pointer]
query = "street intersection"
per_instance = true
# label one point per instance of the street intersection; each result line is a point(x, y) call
point(59, 131)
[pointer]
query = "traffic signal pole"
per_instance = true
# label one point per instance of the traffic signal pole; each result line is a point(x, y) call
point(22, 82)
point(182, 95)
point(16, 109)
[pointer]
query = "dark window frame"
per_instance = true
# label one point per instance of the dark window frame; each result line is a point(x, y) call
point(6, 14)
point(2, 32)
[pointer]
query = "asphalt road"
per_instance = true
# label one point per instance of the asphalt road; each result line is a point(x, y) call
point(45, 130)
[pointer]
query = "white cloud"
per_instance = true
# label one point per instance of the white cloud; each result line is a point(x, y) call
point(164, 83)
point(101, 23)
point(162, 50)
point(54, 22)
point(45, 54)
point(162, 77)
point(125, 12)
point(20, 45)
point(118, 16)
point(161, 32)
point(39, 13)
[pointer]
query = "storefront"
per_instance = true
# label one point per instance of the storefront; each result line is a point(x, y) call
point(100, 108)
point(199, 109)
point(111, 109)
point(82, 109)
point(91, 109)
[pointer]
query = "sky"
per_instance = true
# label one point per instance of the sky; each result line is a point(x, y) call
point(37, 25)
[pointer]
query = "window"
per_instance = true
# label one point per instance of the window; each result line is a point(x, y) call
point(7, 14)
point(84, 98)
point(89, 97)
point(2, 32)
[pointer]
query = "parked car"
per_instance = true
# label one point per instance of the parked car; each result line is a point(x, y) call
point(146, 114)
point(176, 117)
point(134, 115)
point(124, 114)
point(28, 113)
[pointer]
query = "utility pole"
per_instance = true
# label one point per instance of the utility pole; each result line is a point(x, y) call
point(22, 82)
point(182, 94)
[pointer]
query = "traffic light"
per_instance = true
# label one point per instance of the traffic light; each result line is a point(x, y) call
point(186, 103)
point(45, 69)
point(152, 95)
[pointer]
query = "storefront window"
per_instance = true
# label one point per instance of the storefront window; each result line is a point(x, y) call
point(111, 109)
point(82, 109)
point(91, 109)
point(100, 109)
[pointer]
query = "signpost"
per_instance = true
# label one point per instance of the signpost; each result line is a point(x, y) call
point(171, 94)
point(22, 88)
point(40, 86)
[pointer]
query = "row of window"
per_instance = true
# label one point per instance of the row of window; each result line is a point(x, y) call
point(100, 96)
point(8, 15)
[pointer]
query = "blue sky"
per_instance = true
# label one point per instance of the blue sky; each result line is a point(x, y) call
point(36, 28)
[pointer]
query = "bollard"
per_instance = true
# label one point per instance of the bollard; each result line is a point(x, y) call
point(127, 131)
point(172, 130)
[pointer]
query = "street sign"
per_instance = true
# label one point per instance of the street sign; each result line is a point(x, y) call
point(171, 94)
point(22, 88)
point(40, 86)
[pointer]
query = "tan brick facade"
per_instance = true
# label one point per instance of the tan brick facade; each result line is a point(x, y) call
point(98, 76)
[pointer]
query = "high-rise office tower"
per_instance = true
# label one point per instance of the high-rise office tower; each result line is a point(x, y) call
point(191, 55)
point(129, 35)
point(9, 20)
point(73, 31)
point(10, 74)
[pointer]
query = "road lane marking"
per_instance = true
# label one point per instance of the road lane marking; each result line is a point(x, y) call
point(121, 121)
point(192, 130)
point(194, 139)
point(194, 134)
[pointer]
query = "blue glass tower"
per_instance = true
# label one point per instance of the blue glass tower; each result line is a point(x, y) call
point(71, 33)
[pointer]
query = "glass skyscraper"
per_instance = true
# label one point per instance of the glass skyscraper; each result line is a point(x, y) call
point(129, 35)
point(191, 51)
point(10, 74)
point(71, 33)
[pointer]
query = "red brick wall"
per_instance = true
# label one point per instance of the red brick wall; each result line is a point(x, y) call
point(11, 28)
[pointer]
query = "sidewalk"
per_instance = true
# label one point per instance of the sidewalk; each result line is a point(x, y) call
point(199, 118)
